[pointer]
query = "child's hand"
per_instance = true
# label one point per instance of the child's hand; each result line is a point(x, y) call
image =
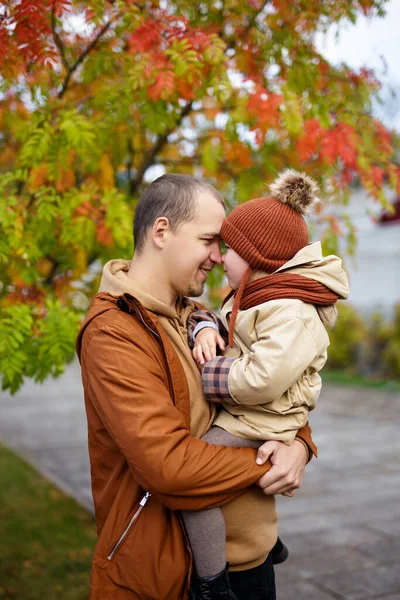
point(205, 345)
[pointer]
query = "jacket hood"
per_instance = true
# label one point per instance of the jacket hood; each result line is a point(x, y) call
point(100, 304)
point(115, 280)
point(328, 270)
point(103, 302)
point(115, 284)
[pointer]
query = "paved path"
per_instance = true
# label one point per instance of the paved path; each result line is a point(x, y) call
point(343, 527)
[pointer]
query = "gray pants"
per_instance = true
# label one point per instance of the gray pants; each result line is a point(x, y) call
point(206, 528)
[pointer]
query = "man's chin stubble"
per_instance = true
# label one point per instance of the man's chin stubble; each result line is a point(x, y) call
point(194, 291)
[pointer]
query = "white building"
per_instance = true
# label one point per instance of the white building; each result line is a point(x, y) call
point(374, 271)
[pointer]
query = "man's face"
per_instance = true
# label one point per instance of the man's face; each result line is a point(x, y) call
point(193, 249)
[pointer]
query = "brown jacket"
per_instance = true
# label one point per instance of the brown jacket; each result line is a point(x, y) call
point(144, 463)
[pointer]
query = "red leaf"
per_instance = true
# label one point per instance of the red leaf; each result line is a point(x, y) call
point(329, 147)
point(346, 140)
point(340, 142)
point(185, 89)
point(376, 175)
point(239, 153)
point(198, 39)
point(59, 6)
point(145, 37)
point(366, 6)
point(384, 137)
point(308, 144)
point(103, 233)
point(265, 106)
point(164, 86)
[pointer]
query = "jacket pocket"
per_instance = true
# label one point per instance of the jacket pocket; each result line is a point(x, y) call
point(129, 526)
point(151, 562)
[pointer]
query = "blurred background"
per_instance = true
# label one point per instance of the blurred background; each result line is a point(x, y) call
point(99, 98)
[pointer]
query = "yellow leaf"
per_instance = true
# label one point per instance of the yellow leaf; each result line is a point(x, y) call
point(106, 173)
point(80, 263)
point(44, 266)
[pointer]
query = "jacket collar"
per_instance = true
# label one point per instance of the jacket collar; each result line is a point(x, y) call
point(308, 254)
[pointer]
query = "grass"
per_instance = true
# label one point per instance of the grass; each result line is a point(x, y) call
point(46, 539)
point(349, 379)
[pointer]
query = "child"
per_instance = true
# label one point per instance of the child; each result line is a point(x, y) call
point(283, 298)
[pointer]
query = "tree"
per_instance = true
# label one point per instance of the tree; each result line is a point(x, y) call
point(95, 93)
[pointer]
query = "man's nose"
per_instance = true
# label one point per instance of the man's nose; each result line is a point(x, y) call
point(215, 254)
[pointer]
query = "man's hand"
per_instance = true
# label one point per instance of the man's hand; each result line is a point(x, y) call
point(205, 345)
point(288, 464)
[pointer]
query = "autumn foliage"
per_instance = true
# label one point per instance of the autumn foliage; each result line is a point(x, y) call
point(93, 94)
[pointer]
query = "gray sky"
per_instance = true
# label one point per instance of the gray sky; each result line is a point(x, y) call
point(373, 43)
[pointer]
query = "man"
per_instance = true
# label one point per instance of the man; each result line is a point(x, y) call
point(146, 413)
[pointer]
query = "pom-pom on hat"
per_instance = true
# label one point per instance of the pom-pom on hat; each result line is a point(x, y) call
point(267, 232)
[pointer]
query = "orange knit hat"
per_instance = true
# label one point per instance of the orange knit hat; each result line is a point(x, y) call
point(268, 232)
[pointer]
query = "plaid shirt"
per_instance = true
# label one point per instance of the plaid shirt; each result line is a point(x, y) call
point(215, 372)
point(215, 379)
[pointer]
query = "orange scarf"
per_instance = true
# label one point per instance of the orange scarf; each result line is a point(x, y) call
point(274, 287)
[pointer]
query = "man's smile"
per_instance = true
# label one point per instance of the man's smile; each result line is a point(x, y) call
point(205, 271)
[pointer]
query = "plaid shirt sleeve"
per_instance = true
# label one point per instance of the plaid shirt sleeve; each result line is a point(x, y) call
point(215, 379)
point(199, 316)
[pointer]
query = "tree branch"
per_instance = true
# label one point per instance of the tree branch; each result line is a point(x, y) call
point(184, 161)
point(224, 167)
point(71, 70)
point(158, 146)
point(57, 40)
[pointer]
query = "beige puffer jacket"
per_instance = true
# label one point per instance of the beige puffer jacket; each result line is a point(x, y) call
point(281, 346)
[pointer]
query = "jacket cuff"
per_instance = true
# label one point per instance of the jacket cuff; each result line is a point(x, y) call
point(194, 319)
point(309, 445)
point(309, 454)
point(216, 377)
point(203, 325)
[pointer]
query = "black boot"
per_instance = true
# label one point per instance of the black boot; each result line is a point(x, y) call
point(279, 552)
point(212, 588)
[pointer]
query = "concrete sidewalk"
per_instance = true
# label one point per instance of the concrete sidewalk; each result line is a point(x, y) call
point(343, 526)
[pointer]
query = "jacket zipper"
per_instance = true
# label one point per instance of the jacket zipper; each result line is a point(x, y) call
point(157, 335)
point(129, 526)
point(143, 321)
point(185, 538)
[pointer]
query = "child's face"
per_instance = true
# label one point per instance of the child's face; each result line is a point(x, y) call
point(234, 267)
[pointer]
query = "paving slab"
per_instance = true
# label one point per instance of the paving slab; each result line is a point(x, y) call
point(363, 584)
point(386, 551)
point(302, 589)
point(349, 535)
point(342, 527)
point(388, 597)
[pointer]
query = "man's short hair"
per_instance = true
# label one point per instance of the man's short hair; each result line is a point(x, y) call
point(172, 196)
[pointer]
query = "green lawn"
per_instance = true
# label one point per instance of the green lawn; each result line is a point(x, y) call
point(46, 539)
point(346, 378)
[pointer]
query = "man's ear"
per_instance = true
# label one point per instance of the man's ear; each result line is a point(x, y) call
point(160, 231)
